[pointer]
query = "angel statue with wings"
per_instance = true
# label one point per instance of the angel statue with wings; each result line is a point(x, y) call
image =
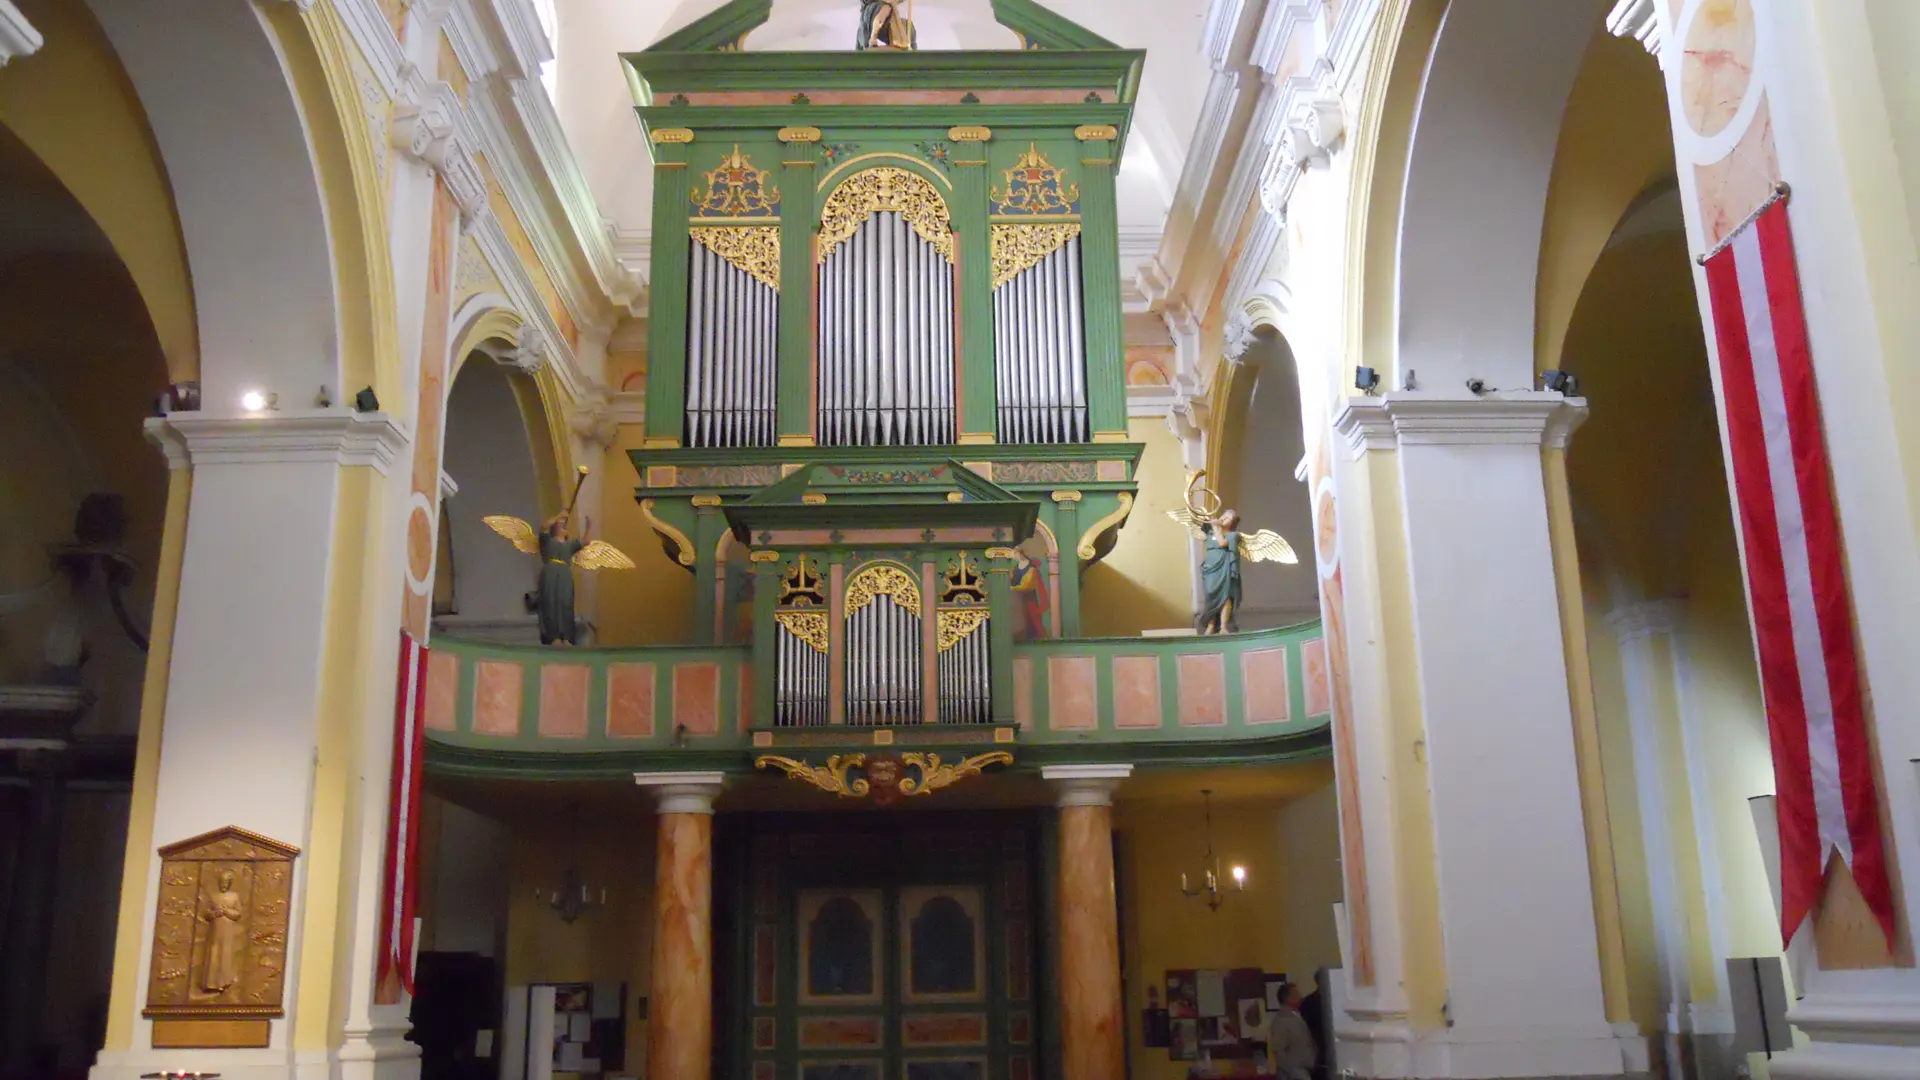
point(559, 554)
point(1225, 546)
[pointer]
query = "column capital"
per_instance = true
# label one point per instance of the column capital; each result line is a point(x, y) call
point(337, 436)
point(1647, 618)
point(683, 792)
point(1085, 785)
point(1496, 418)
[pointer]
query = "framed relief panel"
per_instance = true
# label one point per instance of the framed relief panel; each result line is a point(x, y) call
point(839, 938)
point(943, 954)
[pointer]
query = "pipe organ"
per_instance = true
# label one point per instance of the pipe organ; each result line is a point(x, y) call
point(886, 346)
point(885, 354)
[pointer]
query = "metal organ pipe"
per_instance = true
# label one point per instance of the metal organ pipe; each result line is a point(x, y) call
point(733, 323)
point(1039, 340)
point(800, 699)
point(965, 677)
point(886, 363)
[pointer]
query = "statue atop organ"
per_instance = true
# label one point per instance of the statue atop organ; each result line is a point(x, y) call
point(885, 351)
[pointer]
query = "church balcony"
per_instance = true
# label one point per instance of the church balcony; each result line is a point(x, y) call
point(544, 713)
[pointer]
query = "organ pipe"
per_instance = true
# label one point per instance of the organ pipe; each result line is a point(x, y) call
point(886, 352)
point(800, 699)
point(965, 686)
point(1039, 338)
point(733, 321)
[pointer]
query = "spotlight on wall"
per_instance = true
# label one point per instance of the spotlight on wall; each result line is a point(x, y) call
point(1564, 382)
point(364, 401)
point(255, 401)
point(1366, 380)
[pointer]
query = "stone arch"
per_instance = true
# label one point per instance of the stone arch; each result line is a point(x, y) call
point(1484, 133)
point(280, 216)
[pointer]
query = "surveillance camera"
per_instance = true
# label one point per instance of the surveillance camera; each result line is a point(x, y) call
point(1476, 386)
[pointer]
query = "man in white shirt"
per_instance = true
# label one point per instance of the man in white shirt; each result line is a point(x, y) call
point(1289, 1042)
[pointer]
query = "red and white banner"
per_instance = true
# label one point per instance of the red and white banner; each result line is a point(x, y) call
point(398, 890)
point(1796, 579)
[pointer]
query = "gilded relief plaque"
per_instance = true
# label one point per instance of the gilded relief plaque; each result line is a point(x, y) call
point(220, 935)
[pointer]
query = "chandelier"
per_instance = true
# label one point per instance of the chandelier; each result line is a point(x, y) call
point(572, 899)
point(1210, 887)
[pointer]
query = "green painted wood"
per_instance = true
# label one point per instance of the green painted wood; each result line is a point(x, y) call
point(1066, 530)
point(799, 215)
point(721, 28)
point(667, 303)
point(1112, 72)
point(1000, 641)
point(978, 385)
point(708, 527)
point(1100, 261)
point(766, 596)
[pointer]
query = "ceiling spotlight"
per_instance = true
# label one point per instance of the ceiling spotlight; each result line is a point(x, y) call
point(1365, 379)
point(1562, 382)
point(253, 401)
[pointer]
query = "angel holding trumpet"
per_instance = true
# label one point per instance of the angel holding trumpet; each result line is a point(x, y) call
point(1225, 546)
point(559, 554)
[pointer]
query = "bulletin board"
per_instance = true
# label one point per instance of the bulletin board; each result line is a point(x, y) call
point(1222, 1011)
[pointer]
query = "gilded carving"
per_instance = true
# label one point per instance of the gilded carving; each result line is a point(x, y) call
point(1035, 187)
point(885, 777)
point(736, 189)
point(970, 133)
point(1017, 248)
point(752, 249)
point(1111, 521)
point(882, 579)
point(870, 191)
point(672, 135)
point(808, 626)
point(1042, 472)
point(799, 134)
point(957, 624)
point(220, 933)
point(683, 546)
point(934, 775)
point(1095, 132)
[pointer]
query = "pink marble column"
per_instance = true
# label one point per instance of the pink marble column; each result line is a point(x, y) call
point(1092, 1037)
point(680, 1018)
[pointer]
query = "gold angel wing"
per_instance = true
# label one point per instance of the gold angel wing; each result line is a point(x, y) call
point(1266, 546)
point(600, 555)
point(518, 533)
point(1190, 520)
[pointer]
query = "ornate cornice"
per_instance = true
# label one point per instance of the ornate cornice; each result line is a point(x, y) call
point(1639, 20)
point(1407, 418)
point(531, 350)
point(335, 436)
point(17, 35)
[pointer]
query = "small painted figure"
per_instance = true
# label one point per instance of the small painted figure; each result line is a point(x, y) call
point(1030, 598)
point(883, 27)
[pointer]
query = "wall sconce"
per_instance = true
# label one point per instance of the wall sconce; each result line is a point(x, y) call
point(571, 900)
point(1211, 880)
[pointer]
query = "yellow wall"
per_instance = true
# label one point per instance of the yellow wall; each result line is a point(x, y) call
point(1144, 582)
point(71, 104)
point(611, 944)
point(1281, 922)
point(1614, 143)
point(651, 604)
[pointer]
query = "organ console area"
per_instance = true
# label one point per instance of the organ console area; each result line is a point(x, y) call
point(885, 416)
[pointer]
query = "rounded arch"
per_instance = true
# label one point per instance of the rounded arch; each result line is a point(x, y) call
point(907, 191)
point(280, 210)
point(896, 160)
point(1484, 134)
point(487, 326)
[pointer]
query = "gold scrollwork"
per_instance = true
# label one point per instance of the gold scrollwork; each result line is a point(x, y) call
point(684, 545)
point(956, 625)
point(1094, 132)
point(883, 579)
point(934, 775)
point(672, 135)
point(833, 777)
point(870, 191)
point(1068, 496)
point(1017, 248)
point(808, 626)
point(752, 249)
point(970, 133)
point(799, 134)
point(1001, 553)
point(1110, 521)
point(763, 556)
point(1035, 187)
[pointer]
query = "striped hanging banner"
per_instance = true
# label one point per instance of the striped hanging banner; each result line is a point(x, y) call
point(399, 891)
point(1796, 579)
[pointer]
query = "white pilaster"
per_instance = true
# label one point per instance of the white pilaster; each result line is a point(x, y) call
point(242, 728)
point(1522, 963)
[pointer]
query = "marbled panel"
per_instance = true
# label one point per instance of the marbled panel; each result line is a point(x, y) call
point(944, 1029)
point(1136, 692)
point(1716, 68)
point(497, 686)
point(839, 1032)
point(630, 701)
point(1090, 1032)
point(1263, 681)
point(1073, 702)
point(563, 700)
point(1736, 185)
point(1023, 692)
point(682, 978)
point(766, 966)
point(443, 691)
point(696, 698)
point(764, 1035)
point(1203, 690)
point(1313, 671)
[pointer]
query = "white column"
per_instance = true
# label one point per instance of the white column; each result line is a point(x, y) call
point(1522, 967)
point(241, 737)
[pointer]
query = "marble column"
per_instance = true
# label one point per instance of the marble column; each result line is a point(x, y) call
point(1092, 1036)
point(680, 1017)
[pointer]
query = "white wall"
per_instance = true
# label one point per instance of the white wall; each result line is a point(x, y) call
point(488, 456)
point(1276, 594)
